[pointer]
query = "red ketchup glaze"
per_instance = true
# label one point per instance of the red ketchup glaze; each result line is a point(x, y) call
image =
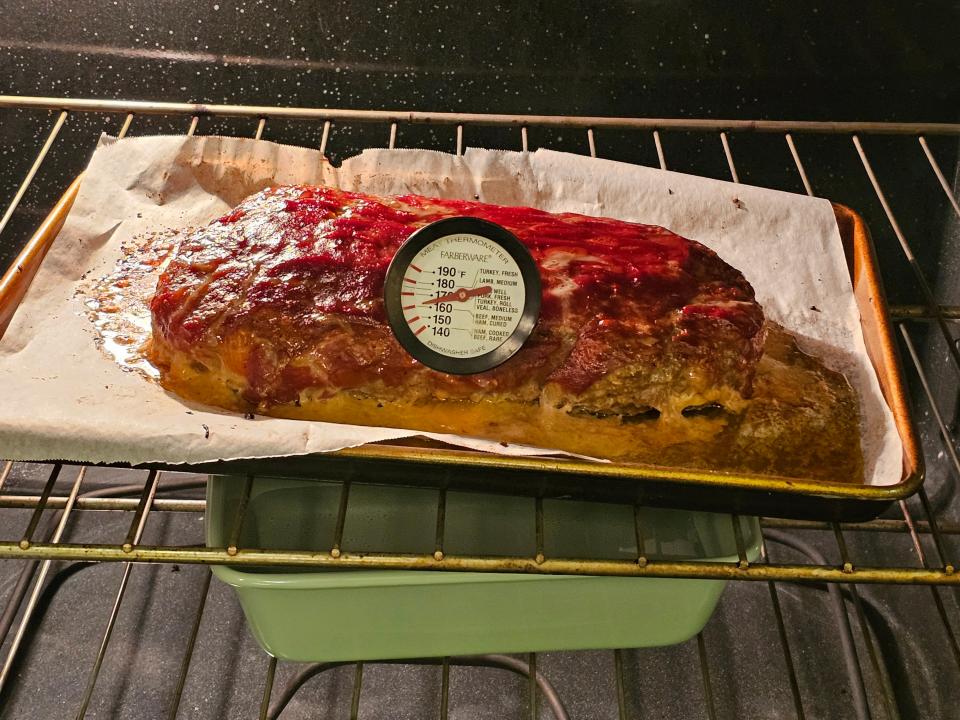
point(231, 217)
point(299, 256)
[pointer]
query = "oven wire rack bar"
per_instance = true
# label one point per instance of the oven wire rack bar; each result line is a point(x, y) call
point(590, 124)
point(940, 572)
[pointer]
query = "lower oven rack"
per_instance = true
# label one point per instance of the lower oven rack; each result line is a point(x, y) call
point(940, 571)
point(63, 502)
point(47, 514)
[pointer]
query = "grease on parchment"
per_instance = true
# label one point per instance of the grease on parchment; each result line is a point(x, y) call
point(118, 304)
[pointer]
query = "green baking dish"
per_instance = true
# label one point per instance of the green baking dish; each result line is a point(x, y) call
point(328, 615)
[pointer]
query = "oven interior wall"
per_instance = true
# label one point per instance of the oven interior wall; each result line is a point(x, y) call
point(779, 60)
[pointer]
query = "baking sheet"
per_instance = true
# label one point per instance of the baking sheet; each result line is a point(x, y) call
point(62, 398)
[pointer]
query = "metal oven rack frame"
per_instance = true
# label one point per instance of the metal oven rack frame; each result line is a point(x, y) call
point(936, 570)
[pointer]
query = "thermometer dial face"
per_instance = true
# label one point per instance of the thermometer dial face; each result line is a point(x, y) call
point(462, 295)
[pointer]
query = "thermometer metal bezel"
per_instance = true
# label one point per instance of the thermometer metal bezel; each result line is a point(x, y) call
point(457, 226)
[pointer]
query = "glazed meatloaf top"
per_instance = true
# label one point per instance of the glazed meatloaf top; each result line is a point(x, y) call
point(282, 298)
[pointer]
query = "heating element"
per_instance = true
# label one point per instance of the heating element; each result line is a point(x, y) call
point(46, 514)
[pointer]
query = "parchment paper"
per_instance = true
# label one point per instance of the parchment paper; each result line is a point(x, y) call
point(62, 398)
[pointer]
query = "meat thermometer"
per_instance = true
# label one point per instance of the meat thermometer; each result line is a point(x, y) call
point(462, 295)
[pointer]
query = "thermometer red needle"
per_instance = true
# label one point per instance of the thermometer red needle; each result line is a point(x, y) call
point(461, 295)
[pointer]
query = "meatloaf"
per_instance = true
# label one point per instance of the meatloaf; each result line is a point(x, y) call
point(647, 344)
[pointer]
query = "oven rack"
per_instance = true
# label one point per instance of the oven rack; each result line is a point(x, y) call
point(931, 536)
point(940, 571)
point(152, 493)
